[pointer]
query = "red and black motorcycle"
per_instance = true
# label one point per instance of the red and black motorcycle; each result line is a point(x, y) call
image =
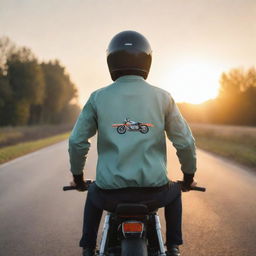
point(132, 126)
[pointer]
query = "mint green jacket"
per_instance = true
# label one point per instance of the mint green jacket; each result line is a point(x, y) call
point(131, 153)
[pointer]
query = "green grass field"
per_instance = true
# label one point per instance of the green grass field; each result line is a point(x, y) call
point(10, 152)
point(234, 142)
point(18, 134)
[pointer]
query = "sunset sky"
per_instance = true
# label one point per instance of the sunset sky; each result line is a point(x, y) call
point(193, 41)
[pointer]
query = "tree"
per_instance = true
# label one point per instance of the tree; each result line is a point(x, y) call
point(237, 97)
point(59, 90)
point(7, 48)
point(5, 99)
point(27, 83)
point(33, 92)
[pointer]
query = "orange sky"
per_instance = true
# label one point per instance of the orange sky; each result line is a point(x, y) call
point(193, 41)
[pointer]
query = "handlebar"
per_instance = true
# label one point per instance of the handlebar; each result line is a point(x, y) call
point(65, 188)
point(88, 182)
point(196, 188)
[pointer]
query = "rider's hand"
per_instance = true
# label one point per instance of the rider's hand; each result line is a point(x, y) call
point(188, 182)
point(79, 183)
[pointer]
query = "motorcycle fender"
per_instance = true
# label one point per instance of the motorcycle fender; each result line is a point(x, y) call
point(132, 247)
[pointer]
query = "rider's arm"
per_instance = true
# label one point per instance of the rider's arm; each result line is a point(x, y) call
point(85, 128)
point(182, 139)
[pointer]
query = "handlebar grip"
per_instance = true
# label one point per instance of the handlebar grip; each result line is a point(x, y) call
point(88, 182)
point(65, 188)
point(202, 189)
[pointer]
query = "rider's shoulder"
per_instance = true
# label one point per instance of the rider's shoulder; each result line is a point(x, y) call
point(160, 91)
point(99, 92)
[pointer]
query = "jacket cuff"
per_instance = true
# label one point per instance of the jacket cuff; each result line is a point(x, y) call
point(78, 178)
point(188, 178)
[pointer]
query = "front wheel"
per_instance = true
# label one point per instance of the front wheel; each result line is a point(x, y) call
point(132, 247)
point(144, 129)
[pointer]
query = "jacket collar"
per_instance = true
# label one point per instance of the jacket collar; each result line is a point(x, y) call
point(128, 78)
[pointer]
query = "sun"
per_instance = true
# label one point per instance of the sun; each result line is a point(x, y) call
point(192, 81)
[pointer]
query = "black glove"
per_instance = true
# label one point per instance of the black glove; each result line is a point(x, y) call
point(187, 181)
point(81, 185)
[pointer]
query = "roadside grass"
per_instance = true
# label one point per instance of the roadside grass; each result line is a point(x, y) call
point(9, 136)
point(234, 142)
point(10, 152)
point(19, 134)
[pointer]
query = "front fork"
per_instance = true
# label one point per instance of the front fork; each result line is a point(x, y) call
point(104, 235)
point(159, 236)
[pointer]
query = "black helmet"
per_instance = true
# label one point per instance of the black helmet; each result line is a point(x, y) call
point(129, 53)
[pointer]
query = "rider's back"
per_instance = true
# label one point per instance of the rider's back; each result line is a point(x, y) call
point(132, 159)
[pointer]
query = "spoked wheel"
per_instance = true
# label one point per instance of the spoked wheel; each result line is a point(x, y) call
point(144, 129)
point(121, 129)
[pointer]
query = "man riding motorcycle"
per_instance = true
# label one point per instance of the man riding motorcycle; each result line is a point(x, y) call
point(131, 167)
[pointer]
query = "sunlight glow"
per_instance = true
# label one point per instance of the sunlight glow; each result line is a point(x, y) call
point(192, 82)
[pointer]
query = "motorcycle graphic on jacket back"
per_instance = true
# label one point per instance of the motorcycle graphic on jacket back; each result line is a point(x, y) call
point(132, 126)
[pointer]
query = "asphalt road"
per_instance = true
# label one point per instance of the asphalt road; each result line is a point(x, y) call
point(38, 219)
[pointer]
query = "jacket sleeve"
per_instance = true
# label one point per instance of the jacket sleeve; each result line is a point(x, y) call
point(85, 128)
point(180, 135)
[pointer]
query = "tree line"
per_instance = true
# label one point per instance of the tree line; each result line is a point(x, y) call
point(235, 103)
point(33, 92)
